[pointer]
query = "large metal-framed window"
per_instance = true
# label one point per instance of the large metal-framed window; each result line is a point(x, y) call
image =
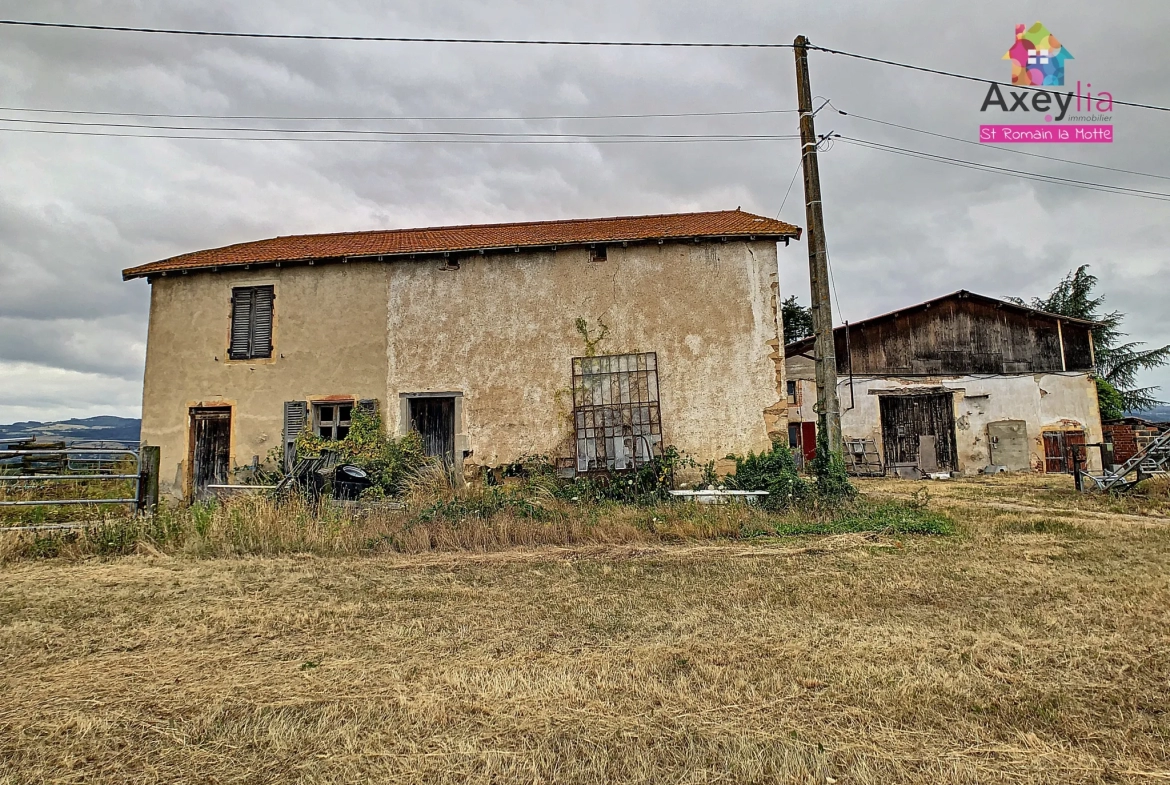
point(615, 411)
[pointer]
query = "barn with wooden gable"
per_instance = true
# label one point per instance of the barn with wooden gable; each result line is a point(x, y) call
point(955, 384)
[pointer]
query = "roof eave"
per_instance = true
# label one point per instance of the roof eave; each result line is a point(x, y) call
point(160, 268)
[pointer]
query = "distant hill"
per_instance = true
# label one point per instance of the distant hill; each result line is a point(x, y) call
point(1157, 414)
point(105, 428)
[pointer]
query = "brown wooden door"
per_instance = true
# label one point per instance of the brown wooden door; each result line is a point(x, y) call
point(1058, 450)
point(1075, 441)
point(211, 440)
point(906, 418)
point(434, 419)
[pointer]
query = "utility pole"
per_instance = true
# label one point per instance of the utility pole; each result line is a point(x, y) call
point(825, 351)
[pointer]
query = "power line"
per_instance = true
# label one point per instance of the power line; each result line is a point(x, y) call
point(1103, 187)
point(514, 138)
point(380, 132)
point(998, 148)
point(954, 75)
point(531, 42)
point(1106, 187)
point(1014, 171)
point(799, 165)
point(393, 39)
point(396, 117)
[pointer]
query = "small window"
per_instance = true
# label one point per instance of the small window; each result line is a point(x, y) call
point(791, 393)
point(251, 331)
point(597, 253)
point(794, 435)
point(331, 420)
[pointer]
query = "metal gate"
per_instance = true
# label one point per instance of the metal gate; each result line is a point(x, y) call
point(27, 470)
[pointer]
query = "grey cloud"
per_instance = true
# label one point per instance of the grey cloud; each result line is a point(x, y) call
point(75, 210)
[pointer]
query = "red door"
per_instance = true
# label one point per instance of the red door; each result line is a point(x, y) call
point(808, 440)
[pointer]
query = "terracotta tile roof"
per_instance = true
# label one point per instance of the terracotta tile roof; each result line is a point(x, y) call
point(724, 223)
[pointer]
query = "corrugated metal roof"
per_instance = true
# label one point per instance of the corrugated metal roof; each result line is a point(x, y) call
point(450, 239)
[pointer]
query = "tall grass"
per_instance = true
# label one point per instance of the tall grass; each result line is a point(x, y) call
point(436, 518)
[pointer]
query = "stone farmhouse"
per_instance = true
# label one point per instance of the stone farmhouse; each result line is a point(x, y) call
point(597, 342)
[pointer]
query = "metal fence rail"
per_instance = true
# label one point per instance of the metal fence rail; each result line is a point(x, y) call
point(64, 458)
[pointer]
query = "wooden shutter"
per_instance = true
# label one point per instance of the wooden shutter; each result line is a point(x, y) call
point(262, 297)
point(241, 337)
point(251, 322)
point(296, 415)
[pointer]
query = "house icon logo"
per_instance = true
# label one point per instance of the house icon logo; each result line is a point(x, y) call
point(1037, 57)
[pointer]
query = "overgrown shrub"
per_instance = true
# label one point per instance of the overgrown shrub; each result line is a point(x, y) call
point(773, 471)
point(650, 483)
point(389, 462)
point(482, 505)
point(828, 467)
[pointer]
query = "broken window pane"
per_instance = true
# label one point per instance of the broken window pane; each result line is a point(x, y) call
point(332, 421)
point(615, 411)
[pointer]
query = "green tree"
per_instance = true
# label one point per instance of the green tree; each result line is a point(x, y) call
point(797, 319)
point(1118, 362)
point(1110, 401)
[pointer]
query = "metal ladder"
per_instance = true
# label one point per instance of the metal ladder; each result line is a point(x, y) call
point(1154, 458)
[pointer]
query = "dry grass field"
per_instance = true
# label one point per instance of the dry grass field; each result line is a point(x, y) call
point(1032, 647)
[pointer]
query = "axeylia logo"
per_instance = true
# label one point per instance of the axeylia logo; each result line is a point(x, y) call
point(1037, 57)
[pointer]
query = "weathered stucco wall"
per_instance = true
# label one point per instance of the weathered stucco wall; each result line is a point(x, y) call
point(499, 330)
point(329, 338)
point(1046, 402)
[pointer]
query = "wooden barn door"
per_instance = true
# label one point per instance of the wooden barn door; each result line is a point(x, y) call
point(1058, 447)
point(907, 418)
point(211, 441)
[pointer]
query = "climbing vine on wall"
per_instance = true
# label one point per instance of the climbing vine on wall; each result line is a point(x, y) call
point(591, 341)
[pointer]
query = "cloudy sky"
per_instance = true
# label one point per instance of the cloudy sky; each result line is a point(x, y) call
point(75, 209)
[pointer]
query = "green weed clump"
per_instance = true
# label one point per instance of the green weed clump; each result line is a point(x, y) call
point(648, 484)
point(773, 471)
point(894, 517)
point(389, 462)
point(855, 517)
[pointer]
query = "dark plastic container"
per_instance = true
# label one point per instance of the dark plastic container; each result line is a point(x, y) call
point(349, 481)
